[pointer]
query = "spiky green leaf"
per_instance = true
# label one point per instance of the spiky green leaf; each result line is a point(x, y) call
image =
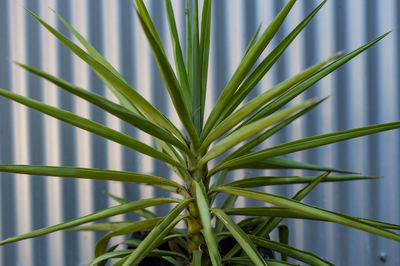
point(112, 211)
point(241, 237)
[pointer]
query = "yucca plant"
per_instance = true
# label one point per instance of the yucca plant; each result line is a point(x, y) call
point(233, 120)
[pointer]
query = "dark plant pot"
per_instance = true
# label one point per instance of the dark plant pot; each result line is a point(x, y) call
point(224, 246)
point(152, 261)
point(228, 243)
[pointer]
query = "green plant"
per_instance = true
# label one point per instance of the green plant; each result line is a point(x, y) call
point(227, 125)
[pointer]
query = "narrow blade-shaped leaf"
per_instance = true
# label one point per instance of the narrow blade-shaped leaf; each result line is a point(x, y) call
point(244, 67)
point(287, 213)
point(156, 235)
point(263, 68)
point(283, 163)
point(268, 133)
point(292, 252)
point(101, 245)
point(170, 81)
point(196, 71)
point(246, 132)
point(110, 255)
point(188, 27)
point(204, 210)
point(285, 180)
point(236, 117)
point(204, 51)
point(308, 209)
point(228, 204)
point(143, 212)
point(107, 226)
point(90, 126)
point(308, 82)
point(266, 227)
point(121, 97)
point(148, 109)
point(241, 237)
point(112, 211)
point(117, 110)
point(89, 173)
point(178, 56)
point(196, 261)
point(283, 231)
point(247, 261)
point(308, 143)
point(253, 39)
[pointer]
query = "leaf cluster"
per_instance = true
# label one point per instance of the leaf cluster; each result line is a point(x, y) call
point(233, 120)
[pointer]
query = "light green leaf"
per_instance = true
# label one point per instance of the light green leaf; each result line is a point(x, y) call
point(244, 67)
point(268, 133)
point(196, 261)
point(158, 233)
point(246, 132)
point(241, 237)
point(178, 56)
point(170, 81)
point(90, 126)
point(112, 211)
point(310, 210)
point(204, 210)
point(306, 143)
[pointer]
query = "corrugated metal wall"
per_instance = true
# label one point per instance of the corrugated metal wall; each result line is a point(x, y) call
point(362, 93)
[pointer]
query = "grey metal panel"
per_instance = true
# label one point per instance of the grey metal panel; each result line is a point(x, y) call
point(363, 92)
